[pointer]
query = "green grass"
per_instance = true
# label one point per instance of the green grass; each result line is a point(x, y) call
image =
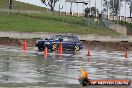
point(49, 23)
point(46, 22)
point(20, 5)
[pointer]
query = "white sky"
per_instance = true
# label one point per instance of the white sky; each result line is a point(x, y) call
point(75, 8)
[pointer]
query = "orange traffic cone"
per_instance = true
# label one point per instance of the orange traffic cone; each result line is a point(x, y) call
point(88, 51)
point(126, 54)
point(25, 45)
point(60, 49)
point(86, 74)
point(45, 52)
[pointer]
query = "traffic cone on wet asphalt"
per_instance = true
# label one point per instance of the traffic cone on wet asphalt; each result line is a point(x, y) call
point(60, 49)
point(84, 74)
point(88, 52)
point(25, 45)
point(45, 52)
point(126, 54)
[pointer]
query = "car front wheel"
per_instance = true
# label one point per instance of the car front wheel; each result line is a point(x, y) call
point(76, 48)
point(54, 47)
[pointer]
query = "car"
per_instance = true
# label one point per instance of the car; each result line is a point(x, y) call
point(70, 42)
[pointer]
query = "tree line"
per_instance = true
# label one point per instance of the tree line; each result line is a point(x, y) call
point(113, 5)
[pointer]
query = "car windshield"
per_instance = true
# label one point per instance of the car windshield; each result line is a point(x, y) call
point(55, 37)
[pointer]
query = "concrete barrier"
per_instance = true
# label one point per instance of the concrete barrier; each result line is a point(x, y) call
point(118, 28)
point(90, 37)
point(106, 38)
point(24, 35)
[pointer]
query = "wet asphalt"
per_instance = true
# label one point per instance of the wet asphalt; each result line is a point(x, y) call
point(30, 68)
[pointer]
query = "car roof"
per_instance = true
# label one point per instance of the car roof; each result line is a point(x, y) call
point(70, 35)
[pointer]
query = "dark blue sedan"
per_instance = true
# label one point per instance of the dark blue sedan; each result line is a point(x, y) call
point(68, 42)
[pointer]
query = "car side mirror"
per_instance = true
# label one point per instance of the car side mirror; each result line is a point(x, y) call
point(61, 40)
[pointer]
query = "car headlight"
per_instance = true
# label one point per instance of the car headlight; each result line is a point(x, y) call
point(47, 43)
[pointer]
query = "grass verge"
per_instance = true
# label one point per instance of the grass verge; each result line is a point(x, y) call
point(49, 23)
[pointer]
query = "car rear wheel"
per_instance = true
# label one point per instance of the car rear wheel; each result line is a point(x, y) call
point(54, 47)
point(76, 48)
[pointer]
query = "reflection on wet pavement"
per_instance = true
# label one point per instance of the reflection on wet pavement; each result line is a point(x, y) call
point(32, 69)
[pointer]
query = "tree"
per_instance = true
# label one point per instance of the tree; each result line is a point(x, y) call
point(106, 5)
point(130, 5)
point(50, 3)
point(131, 9)
point(113, 5)
point(10, 4)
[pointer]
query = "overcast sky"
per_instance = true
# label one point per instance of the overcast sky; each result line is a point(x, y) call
point(76, 8)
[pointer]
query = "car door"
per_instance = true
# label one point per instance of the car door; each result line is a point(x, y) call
point(68, 42)
point(54, 43)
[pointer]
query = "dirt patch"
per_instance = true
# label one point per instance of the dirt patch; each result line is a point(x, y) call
point(108, 45)
point(92, 44)
point(17, 42)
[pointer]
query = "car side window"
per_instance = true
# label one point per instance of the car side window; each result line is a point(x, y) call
point(71, 39)
point(68, 38)
point(65, 39)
